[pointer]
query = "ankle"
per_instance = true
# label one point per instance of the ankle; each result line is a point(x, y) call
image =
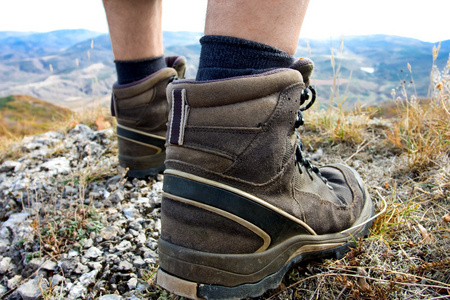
point(133, 70)
point(224, 57)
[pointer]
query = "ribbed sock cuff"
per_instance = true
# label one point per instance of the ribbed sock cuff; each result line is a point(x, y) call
point(224, 56)
point(133, 70)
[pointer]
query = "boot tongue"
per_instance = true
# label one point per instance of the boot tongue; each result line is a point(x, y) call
point(305, 66)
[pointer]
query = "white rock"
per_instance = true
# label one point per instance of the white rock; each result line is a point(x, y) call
point(158, 225)
point(77, 291)
point(58, 165)
point(95, 265)
point(6, 265)
point(3, 289)
point(111, 297)
point(49, 265)
point(93, 252)
point(72, 253)
point(132, 283)
point(10, 165)
point(138, 262)
point(81, 130)
point(125, 266)
point(123, 246)
point(14, 282)
point(109, 232)
point(15, 219)
point(57, 279)
point(141, 238)
point(88, 243)
point(129, 212)
point(88, 278)
point(31, 290)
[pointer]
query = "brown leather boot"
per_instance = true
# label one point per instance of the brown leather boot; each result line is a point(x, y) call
point(141, 110)
point(241, 205)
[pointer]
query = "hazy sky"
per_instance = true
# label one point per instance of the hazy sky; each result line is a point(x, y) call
point(424, 20)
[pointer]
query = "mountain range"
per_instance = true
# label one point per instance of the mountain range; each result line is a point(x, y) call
point(75, 68)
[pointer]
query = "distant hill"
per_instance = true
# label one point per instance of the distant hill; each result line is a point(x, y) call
point(25, 115)
point(73, 68)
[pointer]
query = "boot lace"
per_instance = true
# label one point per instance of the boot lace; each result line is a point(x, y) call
point(308, 94)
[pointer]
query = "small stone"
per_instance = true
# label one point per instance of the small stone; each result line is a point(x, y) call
point(123, 246)
point(129, 212)
point(14, 282)
point(95, 266)
point(93, 252)
point(133, 232)
point(111, 297)
point(31, 290)
point(117, 196)
point(135, 226)
point(125, 266)
point(151, 243)
point(132, 283)
point(27, 147)
point(3, 289)
point(157, 187)
point(4, 245)
point(82, 130)
point(10, 165)
point(88, 243)
point(113, 181)
point(32, 266)
point(68, 265)
point(49, 265)
point(143, 200)
point(58, 165)
point(109, 232)
point(138, 262)
point(150, 254)
point(88, 278)
point(95, 195)
point(77, 291)
point(141, 239)
point(5, 233)
point(15, 219)
point(111, 258)
point(6, 265)
point(81, 269)
point(158, 225)
point(70, 190)
point(73, 253)
point(57, 279)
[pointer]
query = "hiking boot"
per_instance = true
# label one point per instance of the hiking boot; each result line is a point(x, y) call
point(241, 205)
point(141, 110)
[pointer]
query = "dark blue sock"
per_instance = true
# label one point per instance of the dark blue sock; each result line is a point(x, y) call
point(133, 70)
point(224, 56)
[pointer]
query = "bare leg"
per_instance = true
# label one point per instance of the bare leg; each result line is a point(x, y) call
point(135, 28)
point(275, 23)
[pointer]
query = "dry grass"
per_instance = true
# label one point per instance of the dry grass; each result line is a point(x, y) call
point(97, 118)
point(423, 131)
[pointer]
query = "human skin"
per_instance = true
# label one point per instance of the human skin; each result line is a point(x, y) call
point(136, 31)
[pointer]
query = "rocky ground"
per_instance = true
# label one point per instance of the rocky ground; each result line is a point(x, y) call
point(72, 227)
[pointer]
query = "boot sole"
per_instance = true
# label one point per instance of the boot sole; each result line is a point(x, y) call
point(142, 166)
point(236, 276)
point(135, 165)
